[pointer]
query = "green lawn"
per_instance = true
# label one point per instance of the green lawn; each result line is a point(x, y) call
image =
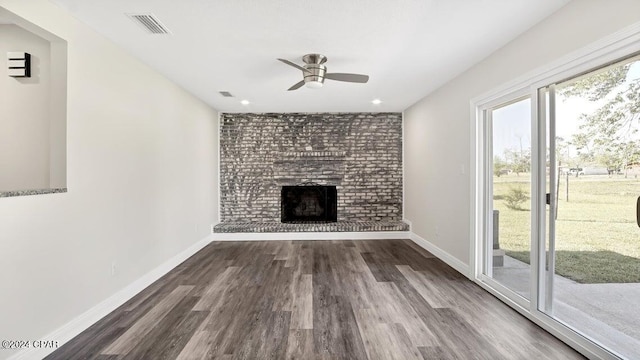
point(597, 238)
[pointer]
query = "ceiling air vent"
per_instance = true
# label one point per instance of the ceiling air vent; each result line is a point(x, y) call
point(149, 22)
point(226, 94)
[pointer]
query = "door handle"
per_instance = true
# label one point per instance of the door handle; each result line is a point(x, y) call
point(549, 201)
point(638, 211)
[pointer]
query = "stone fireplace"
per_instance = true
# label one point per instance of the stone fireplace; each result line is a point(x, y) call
point(359, 155)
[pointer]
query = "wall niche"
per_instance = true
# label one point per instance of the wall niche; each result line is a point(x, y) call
point(33, 110)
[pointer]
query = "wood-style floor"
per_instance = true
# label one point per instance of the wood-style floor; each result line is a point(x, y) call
point(379, 299)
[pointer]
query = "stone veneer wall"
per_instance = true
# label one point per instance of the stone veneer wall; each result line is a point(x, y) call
point(360, 153)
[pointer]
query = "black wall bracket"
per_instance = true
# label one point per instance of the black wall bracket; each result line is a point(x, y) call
point(19, 64)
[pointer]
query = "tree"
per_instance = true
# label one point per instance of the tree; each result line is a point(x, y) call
point(609, 135)
point(563, 158)
point(515, 198)
point(582, 143)
point(599, 85)
point(518, 160)
point(499, 166)
point(630, 154)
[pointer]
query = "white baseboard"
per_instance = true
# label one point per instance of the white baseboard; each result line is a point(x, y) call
point(365, 235)
point(441, 254)
point(91, 316)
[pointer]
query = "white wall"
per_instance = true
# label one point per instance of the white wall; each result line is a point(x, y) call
point(142, 179)
point(58, 115)
point(436, 129)
point(24, 113)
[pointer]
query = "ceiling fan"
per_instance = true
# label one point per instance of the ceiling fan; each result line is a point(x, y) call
point(315, 73)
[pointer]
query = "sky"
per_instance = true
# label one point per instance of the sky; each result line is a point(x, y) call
point(512, 123)
point(511, 127)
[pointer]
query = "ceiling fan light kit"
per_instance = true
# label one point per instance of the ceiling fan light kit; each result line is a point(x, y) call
point(314, 73)
point(314, 84)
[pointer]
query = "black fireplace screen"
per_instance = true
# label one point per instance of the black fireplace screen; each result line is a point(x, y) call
point(310, 203)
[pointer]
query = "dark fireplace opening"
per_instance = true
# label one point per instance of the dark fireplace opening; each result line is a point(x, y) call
point(309, 203)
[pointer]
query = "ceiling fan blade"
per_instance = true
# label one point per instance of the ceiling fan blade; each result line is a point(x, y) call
point(294, 65)
point(355, 78)
point(297, 86)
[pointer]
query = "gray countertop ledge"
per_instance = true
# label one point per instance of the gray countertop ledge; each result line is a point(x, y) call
point(32, 192)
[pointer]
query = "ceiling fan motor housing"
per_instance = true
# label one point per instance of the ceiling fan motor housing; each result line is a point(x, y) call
point(315, 74)
point(316, 69)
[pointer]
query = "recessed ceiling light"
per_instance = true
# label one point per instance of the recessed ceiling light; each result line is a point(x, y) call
point(376, 101)
point(244, 102)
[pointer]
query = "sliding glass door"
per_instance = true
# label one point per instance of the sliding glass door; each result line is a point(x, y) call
point(558, 229)
point(591, 280)
point(508, 241)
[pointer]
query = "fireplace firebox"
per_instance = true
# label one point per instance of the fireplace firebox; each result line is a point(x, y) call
point(309, 203)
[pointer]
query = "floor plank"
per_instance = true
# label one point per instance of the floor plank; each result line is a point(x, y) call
point(318, 300)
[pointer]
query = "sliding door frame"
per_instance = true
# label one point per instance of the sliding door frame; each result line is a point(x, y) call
point(484, 266)
point(616, 47)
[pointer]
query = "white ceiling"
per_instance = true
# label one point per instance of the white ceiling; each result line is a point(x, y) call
point(407, 47)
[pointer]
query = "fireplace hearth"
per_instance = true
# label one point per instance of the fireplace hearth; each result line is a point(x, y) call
point(309, 204)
